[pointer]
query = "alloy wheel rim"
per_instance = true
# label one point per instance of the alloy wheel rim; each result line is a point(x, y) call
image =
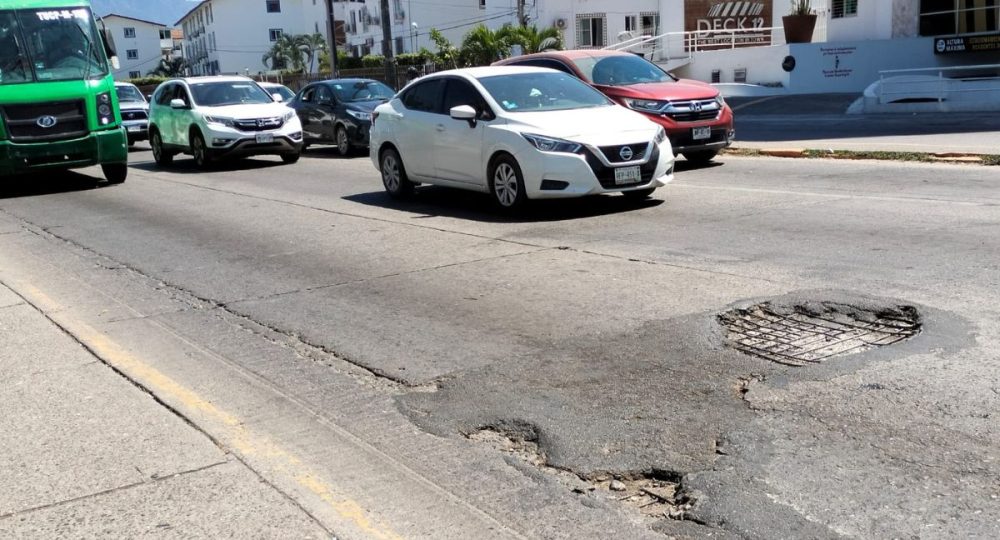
point(342, 141)
point(390, 172)
point(199, 150)
point(156, 147)
point(505, 184)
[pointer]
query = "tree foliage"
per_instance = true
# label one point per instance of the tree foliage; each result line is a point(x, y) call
point(169, 67)
point(532, 40)
point(296, 53)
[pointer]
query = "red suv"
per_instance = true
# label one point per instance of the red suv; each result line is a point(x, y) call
point(697, 119)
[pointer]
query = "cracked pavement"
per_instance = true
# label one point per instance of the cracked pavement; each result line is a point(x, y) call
point(301, 299)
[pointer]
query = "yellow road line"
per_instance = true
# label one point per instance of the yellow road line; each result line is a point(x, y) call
point(235, 434)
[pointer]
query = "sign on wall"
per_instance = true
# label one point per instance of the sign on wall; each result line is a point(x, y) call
point(722, 24)
point(990, 42)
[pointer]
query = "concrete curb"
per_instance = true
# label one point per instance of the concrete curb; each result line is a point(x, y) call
point(881, 155)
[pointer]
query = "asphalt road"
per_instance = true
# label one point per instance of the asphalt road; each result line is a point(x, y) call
point(451, 372)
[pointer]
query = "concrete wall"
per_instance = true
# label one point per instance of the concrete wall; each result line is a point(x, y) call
point(146, 42)
point(848, 66)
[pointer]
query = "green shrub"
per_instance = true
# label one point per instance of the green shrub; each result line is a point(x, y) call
point(372, 61)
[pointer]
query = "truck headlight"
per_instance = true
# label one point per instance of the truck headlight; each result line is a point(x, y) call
point(105, 113)
point(549, 144)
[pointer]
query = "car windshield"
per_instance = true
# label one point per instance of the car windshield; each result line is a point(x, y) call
point(49, 45)
point(283, 91)
point(362, 91)
point(128, 93)
point(621, 70)
point(530, 92)
point(218, 94)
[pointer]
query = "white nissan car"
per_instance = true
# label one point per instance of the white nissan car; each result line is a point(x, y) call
point(216, 117)
point(517, 133)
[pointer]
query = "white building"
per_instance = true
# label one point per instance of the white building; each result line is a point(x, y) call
point(232, 36)
point(141, 44)
point(853, 40)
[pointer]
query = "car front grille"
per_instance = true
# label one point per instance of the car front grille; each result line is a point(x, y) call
point(696, 110)
point(606, 175)
point(614, 153)
point(260, 124)
point(24, 122)
point(134, 115)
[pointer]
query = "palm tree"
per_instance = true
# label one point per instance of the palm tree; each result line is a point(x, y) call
point(170, 67)
point(286, 53)
point(533, 40)
point(482, 46)
point(312, 45)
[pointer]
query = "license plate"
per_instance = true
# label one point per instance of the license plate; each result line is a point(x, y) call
point(265, 138)
point(628, 175)
point(701, 133)
point(135, 128)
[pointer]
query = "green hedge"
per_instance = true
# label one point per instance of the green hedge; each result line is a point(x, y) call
point(147, 81)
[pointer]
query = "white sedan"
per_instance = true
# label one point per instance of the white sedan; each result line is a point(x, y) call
point(517, 133)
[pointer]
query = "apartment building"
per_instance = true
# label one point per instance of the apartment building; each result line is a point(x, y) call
point(232, 36)
point(141, 44)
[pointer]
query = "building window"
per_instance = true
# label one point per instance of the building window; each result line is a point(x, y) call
point(164, 34)
point(134, 74)
point(482, 4)
point(591, 30)
point(631, 23)
point(650, 23)
point(274, 34)
point(843, 8)
point(274, 6)
point(129, 32)
point(132, 54)
point(956, 17)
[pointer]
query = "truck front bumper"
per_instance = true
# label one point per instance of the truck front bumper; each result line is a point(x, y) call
point(99, 147)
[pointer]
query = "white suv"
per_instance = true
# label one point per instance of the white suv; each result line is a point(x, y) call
point(215, 117)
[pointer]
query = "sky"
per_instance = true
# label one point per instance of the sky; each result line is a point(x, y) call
point(161, 11)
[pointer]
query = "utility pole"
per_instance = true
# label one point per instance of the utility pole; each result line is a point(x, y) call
point(332, 24)
point(390, 73)
point(520, 13)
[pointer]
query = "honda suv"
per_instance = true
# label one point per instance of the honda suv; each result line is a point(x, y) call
point(216, 117)
point(697, 119)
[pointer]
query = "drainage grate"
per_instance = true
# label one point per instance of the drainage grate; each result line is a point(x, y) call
point(797, 337)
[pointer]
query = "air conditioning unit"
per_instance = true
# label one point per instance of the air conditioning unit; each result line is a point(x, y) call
point(560, 23)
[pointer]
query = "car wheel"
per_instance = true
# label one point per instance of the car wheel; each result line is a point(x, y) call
point(343, 144)
point(394, 174)
point(700, 157)
point(290, 158)
point(131, 143)
point(199, 151)
point(161, 156)
point(115, 173)
point(507, 183)
point(639, 194)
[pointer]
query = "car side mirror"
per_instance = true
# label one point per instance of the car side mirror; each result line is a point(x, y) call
point(278, 98)
point(177, 103)
point(465, 112)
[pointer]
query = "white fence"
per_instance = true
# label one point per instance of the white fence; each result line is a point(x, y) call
point(678, 45)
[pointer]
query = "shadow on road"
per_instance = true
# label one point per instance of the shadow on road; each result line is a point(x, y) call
point(435, 201)
point(184, 165)
point(682, 165)
point(330, 152)
point(47, 183)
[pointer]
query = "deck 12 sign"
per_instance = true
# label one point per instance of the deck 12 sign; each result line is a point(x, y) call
point(715, 21)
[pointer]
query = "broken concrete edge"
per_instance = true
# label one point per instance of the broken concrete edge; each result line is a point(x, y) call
point(880, 155)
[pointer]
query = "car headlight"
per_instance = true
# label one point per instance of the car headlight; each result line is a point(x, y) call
point(646, 105)
point(364, 116)
point(289, 115)
point(105, 114)
point(721, 101)
point(549, 144)
point(661, 135)
point(220, 120)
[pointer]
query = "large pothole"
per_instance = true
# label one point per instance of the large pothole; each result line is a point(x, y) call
point(811, 333)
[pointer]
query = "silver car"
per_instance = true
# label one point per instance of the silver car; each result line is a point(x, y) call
point(135, 112)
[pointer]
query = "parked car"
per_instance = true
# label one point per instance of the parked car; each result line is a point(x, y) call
point(516, 133)
point(280, 89)
point(215, 117)
point(134, 111)
point(339, 111)
point(696, 117)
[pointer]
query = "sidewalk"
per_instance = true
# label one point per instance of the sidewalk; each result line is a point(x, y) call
point(820, 122)
point(84, 453)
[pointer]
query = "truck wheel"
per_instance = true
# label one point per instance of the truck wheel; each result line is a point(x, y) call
point(115, 172)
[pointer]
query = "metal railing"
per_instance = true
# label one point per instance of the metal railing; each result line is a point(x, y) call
point(678, 45)
point(942, 86)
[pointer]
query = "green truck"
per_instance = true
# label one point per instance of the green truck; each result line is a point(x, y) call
point(58, 106)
